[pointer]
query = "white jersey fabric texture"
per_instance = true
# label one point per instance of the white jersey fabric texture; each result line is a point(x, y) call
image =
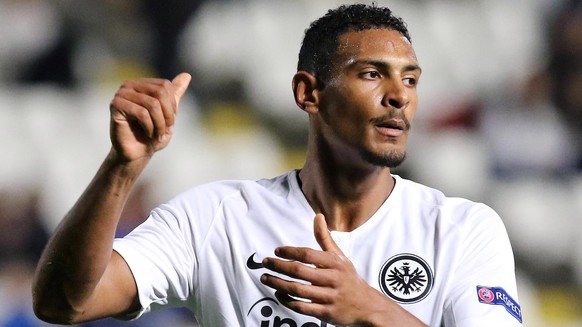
point(445, 260)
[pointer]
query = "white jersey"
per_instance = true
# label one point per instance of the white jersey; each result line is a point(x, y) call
point(443, 259)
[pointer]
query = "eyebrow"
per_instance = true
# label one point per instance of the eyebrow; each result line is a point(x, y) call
point(382, 65)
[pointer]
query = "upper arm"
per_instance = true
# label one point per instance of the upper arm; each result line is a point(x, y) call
point(486, 263)
point(115, 294)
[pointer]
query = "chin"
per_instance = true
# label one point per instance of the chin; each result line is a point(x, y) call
point(390, 159)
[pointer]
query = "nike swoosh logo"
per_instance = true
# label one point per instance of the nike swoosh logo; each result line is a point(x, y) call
point(252, 264)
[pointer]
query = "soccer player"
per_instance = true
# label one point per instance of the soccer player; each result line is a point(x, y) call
point(341, 241)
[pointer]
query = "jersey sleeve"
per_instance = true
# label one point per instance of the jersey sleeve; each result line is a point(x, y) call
point(161, 253)
point(484, 291)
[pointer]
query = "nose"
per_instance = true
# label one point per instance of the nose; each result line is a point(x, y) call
point(396, 95)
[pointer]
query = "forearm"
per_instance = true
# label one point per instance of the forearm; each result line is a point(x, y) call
point(78, 253)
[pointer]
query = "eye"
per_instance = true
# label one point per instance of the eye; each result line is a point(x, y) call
point(410, 81)
point(372, 74)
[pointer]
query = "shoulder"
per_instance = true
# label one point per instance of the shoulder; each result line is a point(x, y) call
point(456, 211)
point(196, 209)
point(214, 193)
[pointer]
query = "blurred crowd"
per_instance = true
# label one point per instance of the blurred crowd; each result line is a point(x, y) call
point(499, 121)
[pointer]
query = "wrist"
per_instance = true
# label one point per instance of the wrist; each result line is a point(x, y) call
point(119, 163)
point(118, 168)
point(385, 312)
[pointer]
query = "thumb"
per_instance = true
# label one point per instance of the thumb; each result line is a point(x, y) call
point(323, 236)
point(180, 84)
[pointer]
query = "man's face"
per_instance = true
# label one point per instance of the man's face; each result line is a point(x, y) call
point(370, 98)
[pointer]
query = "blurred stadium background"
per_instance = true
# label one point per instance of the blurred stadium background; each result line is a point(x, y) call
point(500, 118)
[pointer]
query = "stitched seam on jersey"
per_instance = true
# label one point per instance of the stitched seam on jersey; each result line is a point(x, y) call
point(204, 242)
point(171, 210)
point(181, 228)
point(212, 228)
point(471, 213)
point(452, 315)
point(448, 289)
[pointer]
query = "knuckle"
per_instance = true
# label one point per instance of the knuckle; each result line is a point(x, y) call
point(296, 289)
point(326, 313)
point(121, 92)
point(328, 298)
point(127, 83)
point(297, 269)
point(115, 104)
point(164, 88)
point(142, 114)
point(166, 84)
point(159, 92)
point(117, 100)
point(154, 104)
point(306, 255)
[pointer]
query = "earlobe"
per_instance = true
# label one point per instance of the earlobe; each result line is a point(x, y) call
point(305, 91)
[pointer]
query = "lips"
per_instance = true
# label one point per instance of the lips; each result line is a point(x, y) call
point(393, 124)
point(392, 127)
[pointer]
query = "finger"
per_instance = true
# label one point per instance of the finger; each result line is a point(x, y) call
point(140, 96)
point(163, 91)
point(305, 255)
point(312, 309)
point(180, 84)
point(293, 269)
point(130, 111)
point(323, 236)
point(302, 271)
point(298, 290)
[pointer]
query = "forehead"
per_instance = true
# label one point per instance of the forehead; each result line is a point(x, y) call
point(381, 44)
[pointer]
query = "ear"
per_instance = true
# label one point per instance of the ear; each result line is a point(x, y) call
point(306, 92)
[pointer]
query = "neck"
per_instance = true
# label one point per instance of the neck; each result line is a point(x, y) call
point(347, 194)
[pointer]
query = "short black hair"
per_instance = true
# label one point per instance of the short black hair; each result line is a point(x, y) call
point(321, 39)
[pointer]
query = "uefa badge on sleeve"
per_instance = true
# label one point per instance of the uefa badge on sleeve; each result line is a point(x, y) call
point(498, 296)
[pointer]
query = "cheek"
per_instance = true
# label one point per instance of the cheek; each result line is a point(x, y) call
point(411, 113)
point(344, 105)
point(412, 107)
point(344, 117)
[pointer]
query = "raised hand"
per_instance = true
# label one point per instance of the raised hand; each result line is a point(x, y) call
point(143, 114)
